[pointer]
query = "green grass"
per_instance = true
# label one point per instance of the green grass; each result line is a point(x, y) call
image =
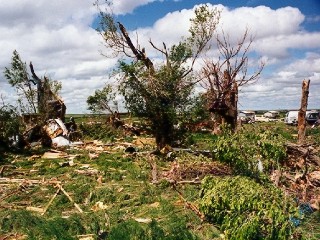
point(125, 194)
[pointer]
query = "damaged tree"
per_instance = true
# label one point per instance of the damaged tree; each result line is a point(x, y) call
point(50, 105)
point(159, 92)
point(38, 102)
point(42, 100)
point(223, 77)
point(302, 112)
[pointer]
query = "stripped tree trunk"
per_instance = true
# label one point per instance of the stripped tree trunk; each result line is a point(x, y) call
point(230, 116)
point(302, 112)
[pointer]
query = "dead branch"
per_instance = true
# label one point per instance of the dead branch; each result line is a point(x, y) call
point(21, 180)
point(34, 75)
point(190, 205)
point(70, 199)
point(140, 55)
point(51, 200)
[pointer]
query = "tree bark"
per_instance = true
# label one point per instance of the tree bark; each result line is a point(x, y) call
point(231, 100)
point(302, 112)
point(163, 132)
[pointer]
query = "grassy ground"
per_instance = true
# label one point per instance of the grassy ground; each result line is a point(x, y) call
point(114, 191)
point(112, 194)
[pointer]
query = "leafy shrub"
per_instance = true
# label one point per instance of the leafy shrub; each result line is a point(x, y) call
point(247, 210)
point(9, 124)
point(245, 150)
point(99, 131)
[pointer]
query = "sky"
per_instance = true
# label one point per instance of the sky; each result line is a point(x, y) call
point(60, 39)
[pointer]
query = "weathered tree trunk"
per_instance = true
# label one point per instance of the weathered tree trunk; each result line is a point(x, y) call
point(231, 100)
point(163, 132)
point(302, 112)
point(232, 114)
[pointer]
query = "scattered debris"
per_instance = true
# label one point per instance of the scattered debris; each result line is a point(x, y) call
point(194, 172)
point(300, 176)
point(99, 206)
point(143, 220)
point(54, 154)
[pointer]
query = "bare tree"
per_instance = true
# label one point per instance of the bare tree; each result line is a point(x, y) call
point(222, 78)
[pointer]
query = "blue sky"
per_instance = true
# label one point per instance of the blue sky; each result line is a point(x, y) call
point(155, 10)
point(59, 39)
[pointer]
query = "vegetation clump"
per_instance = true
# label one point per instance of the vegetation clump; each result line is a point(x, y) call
point(9, 124)
point(250, 152)
point(245, 209)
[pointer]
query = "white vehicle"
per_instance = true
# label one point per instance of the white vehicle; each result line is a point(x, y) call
point(292, 117)
point(247, 116)
point(262, 119)
point(271, 114)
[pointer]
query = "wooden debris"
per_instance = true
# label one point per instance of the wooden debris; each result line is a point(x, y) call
point(70, 199)
point(88, 172)
point(143, 220)
point(154, 171)
point(99, 206)
point(50, 202)
point(190, 205)
point(54, 155)
point(31, 181)
point(86, 237)
point(35, 209)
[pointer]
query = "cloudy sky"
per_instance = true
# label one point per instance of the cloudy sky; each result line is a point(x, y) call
point(60, 40)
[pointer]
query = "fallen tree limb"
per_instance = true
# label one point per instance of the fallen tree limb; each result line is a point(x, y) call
point(51, 200)
point(191, 206)
point(32, 181)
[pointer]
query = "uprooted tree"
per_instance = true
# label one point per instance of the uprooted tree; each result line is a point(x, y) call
point(223, 77)
point(36, 95)
point(161, 92)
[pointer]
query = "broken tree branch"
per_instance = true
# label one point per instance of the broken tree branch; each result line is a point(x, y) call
point(51, 200)
point(70, 199)
point(190, 205)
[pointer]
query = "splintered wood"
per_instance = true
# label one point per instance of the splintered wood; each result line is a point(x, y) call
point(300, 176)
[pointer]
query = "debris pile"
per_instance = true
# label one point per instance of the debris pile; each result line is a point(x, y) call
point(301, 175)
point(194, 172)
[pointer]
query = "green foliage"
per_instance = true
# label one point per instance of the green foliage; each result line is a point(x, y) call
point(198, 112)
point(18, 73)
point(159, 92)
point(130, 230)
point(99, 131)
point(311, 227)
point(37, 228)
point(203, 25)
point(102, 99)
point(245, 209)
point(164, 99)
point(245, 150)
point(18, 77)
point(9, 124)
